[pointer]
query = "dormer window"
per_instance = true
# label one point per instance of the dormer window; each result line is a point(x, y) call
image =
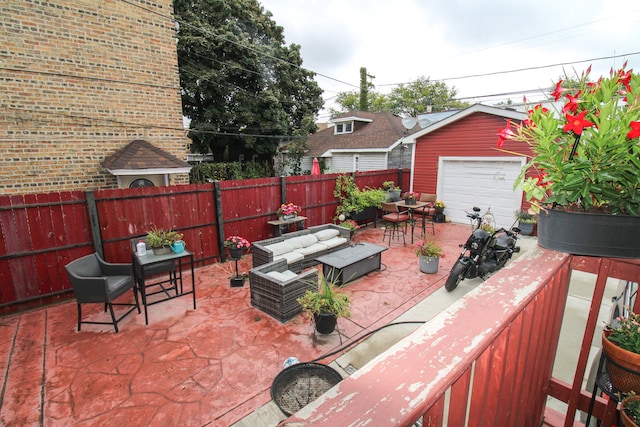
point(346, 127)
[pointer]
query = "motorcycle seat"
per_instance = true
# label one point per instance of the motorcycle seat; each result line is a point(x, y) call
point(503, 241)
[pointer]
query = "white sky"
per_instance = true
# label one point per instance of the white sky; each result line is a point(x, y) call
point(399, 41)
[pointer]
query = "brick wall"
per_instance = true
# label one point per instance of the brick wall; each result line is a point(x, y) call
point(80, 79)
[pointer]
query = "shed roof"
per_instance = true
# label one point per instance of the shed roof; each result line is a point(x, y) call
point(139, 156)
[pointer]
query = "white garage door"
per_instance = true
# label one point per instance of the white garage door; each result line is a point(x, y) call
point(465, 182)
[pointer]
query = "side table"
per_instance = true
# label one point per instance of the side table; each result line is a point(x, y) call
point(281, 226)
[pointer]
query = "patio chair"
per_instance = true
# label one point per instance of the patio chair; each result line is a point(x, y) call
point(396, 222)
point(275, 290)
point(97, 281)
point(156, 270)
point(427, 212)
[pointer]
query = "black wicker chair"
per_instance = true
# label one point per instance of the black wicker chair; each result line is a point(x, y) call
point(97, 281)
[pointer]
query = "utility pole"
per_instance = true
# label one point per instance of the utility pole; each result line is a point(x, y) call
point(364, 89)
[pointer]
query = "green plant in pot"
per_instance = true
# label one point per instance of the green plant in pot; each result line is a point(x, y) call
point(526, 221)
point(161, 240)
point(621, 346)
point(429, 253)
point(585, 161)
point(326, 305)
point(630, 410)
point(353, 201)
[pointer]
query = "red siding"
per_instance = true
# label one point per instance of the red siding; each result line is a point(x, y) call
point(474, 135)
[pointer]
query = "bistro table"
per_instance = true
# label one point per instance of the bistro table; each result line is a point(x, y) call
point(149, 259)
point(412, 220)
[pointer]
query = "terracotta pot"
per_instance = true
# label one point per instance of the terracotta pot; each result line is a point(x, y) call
point(626, 419)
point(623, 366)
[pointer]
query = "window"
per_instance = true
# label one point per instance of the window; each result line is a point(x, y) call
point(346, 127)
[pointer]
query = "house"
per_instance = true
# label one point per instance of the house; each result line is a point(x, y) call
point(361, 141)
point(79, 81)
point(457, 158)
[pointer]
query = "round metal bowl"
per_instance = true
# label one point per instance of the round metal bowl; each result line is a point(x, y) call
point(302, 383)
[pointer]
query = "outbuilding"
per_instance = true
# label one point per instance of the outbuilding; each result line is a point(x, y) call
point(458, 159)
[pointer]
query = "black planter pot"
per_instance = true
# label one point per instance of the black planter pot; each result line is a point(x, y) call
point(235, 253)
point(325, 323)
point(579, 233)
point(526, 228)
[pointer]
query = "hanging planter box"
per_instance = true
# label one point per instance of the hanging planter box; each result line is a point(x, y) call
point(580, 233)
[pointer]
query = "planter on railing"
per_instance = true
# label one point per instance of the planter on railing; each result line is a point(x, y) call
point(592, 234)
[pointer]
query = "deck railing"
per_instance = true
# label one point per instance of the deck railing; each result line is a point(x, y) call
point(485, 360)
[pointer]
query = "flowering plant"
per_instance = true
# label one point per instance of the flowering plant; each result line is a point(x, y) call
point(429, 248)
point(410, 195)
point(587, 154)
point(236, 242)
point(625, 332)
point(439, 204)
point(289, 209)
point(350, 224)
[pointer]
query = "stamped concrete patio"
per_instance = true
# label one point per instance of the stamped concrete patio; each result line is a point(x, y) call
point(210, 366)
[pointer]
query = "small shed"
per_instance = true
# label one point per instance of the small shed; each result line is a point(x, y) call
point(458, 159)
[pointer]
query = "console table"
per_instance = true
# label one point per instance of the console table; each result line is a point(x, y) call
point(350, 263)
point(281, 226)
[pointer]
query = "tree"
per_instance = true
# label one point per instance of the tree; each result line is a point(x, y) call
point(407, 99)
point(242, 88)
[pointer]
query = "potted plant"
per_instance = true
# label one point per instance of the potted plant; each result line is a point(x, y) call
point(388, 185)
point(355, 203)
point(161, 240)
point(630, 410)
point(410, 198)
point(393, 193)
point(429, 254)
point(288, 211)
point(621, 345)
point(349, 224)
point(326, 305)
point(526, 221)
point(236, 246)
point(584, 174)
point(439, 206)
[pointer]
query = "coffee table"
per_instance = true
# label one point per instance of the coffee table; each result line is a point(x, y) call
point(348, 264)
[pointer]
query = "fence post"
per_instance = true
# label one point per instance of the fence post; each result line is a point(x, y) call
point(219, 219)
point(94, 219)
point(400, 178)
point(283, 190)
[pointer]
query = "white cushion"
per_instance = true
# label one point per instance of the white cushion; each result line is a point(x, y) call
point(332, 243)
point(291, 257)
point(279, 248)
point(302, 241)
point(326, 234)
point(312, 249)
point(308, 240)
point(282, 276)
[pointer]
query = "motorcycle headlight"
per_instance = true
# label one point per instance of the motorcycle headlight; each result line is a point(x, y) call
point(475, 245)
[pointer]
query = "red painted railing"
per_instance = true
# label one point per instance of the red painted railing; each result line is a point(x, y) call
point(485, 360)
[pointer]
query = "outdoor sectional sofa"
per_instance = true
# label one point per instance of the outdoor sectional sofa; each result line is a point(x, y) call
point(300, 248)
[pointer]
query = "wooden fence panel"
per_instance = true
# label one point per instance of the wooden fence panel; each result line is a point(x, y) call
point(41, 232)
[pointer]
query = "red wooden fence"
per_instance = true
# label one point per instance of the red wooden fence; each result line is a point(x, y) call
point(41, 233)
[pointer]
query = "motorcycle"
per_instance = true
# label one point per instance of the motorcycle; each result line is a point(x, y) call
point(484, 253)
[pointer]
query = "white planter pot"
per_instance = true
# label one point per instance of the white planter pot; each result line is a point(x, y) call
point(429, 264)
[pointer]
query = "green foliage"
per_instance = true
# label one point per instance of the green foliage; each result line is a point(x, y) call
point(586, 155)
point(429, 248)
point(354, 200)
point(405, 99)
point(158, 238)
point(242, 87)
point(625, 332)
point(328, 299)
point(631, 406)
point(525, 216)
point(209, 172)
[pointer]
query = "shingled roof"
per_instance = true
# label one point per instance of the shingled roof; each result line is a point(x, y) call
point(140, 156)
point(375, 130)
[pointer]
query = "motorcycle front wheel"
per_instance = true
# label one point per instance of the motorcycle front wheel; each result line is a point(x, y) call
point(457, 274)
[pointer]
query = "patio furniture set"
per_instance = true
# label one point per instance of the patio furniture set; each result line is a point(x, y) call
point(280, 273)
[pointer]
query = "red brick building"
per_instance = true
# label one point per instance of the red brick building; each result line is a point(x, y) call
point(80, 80)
